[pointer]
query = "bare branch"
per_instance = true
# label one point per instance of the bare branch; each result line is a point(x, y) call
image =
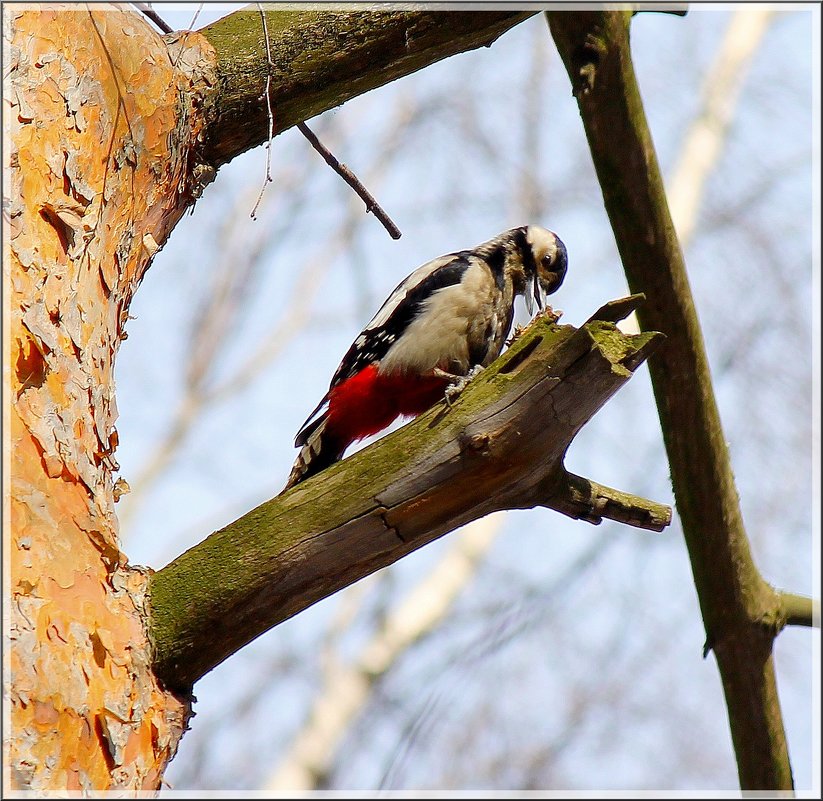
point(734, 598)
point(678, 9)
point(586, 500)
point(351, 179)
point(145, 8)
point(799, 610)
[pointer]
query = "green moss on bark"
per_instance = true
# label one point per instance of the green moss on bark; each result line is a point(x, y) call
point(322, 58)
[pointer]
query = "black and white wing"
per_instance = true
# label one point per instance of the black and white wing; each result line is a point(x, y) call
point(390, 321)
point(400, 308)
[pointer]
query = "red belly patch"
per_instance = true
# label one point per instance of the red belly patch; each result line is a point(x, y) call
point(369, 401)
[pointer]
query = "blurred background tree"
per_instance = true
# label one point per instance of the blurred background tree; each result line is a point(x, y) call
point(570, 659)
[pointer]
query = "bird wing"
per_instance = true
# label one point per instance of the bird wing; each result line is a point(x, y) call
point(391, 319)
point(400, 308)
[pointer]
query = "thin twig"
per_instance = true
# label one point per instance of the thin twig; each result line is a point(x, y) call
point(269, 112)
point(351, 179)
point(196, 15)
point(146, 9)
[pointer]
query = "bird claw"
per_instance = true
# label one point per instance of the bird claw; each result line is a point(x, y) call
point(454, 389)
point(552, 315)
point(518, 330)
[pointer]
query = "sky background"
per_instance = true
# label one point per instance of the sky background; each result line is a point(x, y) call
point(570, 658)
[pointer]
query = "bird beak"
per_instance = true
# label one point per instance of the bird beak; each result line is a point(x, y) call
point(529, 303)
point(538, 293)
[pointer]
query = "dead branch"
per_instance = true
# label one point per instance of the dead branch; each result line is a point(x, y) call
point(147, 10)
point(500, 446)
point(799, 610)
point(352, 180)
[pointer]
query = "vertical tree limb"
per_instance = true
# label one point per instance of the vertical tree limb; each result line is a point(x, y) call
point(739, 608)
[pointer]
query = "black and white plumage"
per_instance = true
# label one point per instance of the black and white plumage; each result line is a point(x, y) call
point(449, 316)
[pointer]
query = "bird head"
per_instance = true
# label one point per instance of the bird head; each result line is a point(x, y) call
point(550, 261)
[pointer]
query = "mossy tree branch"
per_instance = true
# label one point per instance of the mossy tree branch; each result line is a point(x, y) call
point(323, 58)
point(499, 446)
point(741, 611)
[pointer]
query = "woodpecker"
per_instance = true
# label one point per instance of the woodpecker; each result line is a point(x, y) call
point(444, 322)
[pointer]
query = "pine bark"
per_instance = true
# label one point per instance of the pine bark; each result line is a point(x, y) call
point(99, 164)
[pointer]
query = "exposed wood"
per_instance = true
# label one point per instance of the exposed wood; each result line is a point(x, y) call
point(500, 446)
point(798, 610)
point(586, 500)
point(740, 610)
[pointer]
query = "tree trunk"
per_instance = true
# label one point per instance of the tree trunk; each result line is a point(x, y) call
point(101, 145)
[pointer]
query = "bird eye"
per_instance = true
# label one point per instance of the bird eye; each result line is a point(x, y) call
point(547, 260)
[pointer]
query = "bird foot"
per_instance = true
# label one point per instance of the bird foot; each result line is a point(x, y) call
point(552, 315)
point(458, 383)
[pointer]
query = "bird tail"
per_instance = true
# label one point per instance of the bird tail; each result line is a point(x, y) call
point(320, 450)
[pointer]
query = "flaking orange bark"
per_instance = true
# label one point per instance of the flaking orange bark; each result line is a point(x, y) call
point(100, 136)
